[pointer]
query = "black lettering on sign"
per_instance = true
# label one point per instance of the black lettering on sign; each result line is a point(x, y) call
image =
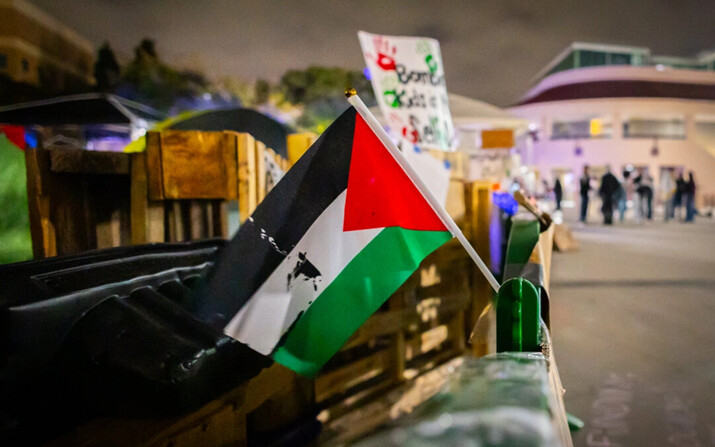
point(418, 77)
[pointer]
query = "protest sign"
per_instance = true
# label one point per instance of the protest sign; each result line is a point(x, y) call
point(408, 78)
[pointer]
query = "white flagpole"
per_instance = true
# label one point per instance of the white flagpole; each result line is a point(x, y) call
point(447, 220)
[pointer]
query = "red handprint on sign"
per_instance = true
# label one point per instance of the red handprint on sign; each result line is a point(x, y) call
point(410, 132)
point(385, 58)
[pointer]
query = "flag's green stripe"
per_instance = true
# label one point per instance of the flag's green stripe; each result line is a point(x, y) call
point(358, 291)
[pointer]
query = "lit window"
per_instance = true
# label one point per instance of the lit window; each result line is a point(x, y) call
point(705, 131)
point(584, 128)
point(620, 59)
point(654, 126)
point(592, 58)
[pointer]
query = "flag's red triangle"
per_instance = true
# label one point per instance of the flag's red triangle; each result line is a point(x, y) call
point(16, 134)
point(380, 194)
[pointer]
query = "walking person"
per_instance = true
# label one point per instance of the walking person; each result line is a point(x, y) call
point(620, 199)
point(609, 187)
point(644, 188)
point(585, 188)
point(667, 192)
point(678, 196)
point(558, 193)
point(690, 198)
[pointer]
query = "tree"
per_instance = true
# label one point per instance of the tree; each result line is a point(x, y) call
point(106, 69)
point(262, 91)
point(149, 80)
point(321, 91)
point(146, 49)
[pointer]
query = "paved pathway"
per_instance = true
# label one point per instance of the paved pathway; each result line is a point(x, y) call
point(633, 322)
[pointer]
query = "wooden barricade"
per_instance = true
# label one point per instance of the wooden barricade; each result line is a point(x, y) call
point(78, 200)
point(297, 144)
point(178, 190)
point(183, 183)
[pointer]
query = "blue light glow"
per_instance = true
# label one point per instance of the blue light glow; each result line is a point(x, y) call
point(506, 202)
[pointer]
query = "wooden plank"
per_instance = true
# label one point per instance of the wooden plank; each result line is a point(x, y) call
point(109, 231)
point(341, 426)
point(78, 161)
point(455, 200)
point(230, 161)
point(198, 220)
point(458, 331)
point(247, 194)
point(425, 342)
point(343, 378)
point(455, 288)
point(226, 427)
point(193, 165)
point(42, 231)
point(260, 148)
point(219, 219)
point(219, 422)
point(297, 144)
point(383, 323)
point(397, 304)
point(59, 207)
point(146, 216)
point(155, 183)
point(176, 221)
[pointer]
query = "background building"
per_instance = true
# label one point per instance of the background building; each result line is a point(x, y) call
point(39, 56)
point(603, 104)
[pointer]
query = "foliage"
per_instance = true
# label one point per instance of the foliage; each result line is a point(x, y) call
point(15, 242)
point(150, 81)
point(106, 69)
point(321, 91)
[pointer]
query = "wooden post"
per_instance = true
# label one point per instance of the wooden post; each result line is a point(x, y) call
point(297, 144)
point(477, 214)
point(260, 149)
point(147, 216)
point(44, 239)
point(247, 193)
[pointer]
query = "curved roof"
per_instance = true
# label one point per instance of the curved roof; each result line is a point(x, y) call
point(623, 82)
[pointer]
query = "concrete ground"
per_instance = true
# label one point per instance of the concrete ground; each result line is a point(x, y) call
point(633, 323)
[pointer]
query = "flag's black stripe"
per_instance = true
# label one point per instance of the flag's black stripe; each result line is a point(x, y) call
point(285, 215)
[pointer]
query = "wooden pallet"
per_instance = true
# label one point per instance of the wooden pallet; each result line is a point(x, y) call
point(179, 190)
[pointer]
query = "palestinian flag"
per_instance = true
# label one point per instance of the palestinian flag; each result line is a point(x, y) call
point(342, 230)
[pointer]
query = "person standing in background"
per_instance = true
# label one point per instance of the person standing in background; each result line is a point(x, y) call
point(644, 188)
point(585, 187)
point(558, 193)
point(690, 198)
point(620, 199)
point(667, 192)
point(609, 187)
point(678, 196)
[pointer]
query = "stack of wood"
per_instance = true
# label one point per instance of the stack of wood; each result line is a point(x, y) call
point(180, 189)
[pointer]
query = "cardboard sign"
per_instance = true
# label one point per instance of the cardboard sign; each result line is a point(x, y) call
point(408, 78)
point(497, 139)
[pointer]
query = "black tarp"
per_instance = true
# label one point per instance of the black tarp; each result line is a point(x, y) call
point(86, 109)
point(110, 333)
point(263, 128)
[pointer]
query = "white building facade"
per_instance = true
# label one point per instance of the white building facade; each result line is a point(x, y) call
point(603, 105)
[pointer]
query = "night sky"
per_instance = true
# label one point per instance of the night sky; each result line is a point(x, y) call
point(491, 49)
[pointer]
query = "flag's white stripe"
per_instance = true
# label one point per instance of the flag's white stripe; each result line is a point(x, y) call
point(269, 313)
